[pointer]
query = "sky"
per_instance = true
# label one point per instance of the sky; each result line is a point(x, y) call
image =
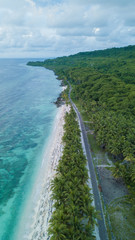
point(51, 28)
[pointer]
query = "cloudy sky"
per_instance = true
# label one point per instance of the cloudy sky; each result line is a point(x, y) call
point(50, 28)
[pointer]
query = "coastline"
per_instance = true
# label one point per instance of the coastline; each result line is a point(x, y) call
point(43, 209)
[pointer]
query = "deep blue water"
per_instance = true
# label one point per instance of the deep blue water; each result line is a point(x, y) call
point(26, 119)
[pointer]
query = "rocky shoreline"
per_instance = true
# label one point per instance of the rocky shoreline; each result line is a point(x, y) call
point(60, 101)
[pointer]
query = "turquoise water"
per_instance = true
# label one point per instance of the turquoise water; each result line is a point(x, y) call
point(26, 119)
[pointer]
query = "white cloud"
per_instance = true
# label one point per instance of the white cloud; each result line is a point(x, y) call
point(40, 28)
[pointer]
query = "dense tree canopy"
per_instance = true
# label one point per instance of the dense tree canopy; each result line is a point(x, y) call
point(103, 84)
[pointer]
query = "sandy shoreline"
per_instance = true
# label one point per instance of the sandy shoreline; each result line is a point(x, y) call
point(42, 211)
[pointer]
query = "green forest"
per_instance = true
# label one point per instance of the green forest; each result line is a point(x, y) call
point(73, 216)
point(103, 84)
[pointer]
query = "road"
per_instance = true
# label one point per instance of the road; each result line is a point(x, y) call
point(98, 205)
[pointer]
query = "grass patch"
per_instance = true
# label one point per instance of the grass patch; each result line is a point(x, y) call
point(122, 219)
point(99, 155)
point(94, 147)
point(82, 111)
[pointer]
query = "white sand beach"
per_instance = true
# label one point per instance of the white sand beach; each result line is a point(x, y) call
point(43, 209)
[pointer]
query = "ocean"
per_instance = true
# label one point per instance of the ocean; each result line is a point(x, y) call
point(27, 115)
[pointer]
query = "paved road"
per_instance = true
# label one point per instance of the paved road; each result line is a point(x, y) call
point(97, 200)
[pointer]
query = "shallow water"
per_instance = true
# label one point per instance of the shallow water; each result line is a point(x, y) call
point(26, 119)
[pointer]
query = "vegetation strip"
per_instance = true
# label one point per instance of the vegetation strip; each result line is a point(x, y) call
point(97, 200)
point(73, 216)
